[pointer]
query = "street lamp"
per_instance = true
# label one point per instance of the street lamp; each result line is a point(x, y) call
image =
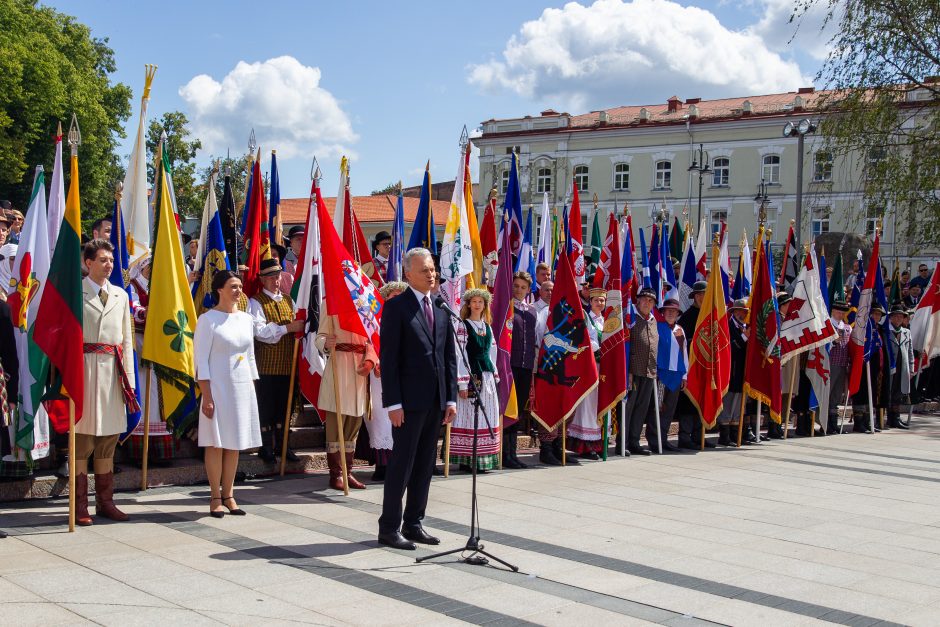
point(799, 130)
point(701, 166)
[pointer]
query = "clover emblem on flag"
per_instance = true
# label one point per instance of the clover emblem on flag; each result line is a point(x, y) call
point(178, 330)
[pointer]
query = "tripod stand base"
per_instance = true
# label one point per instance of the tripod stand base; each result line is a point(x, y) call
point(476, 560)
point(476, 557)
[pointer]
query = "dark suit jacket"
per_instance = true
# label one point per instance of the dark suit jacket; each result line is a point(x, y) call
point(11, 364)
point(738, 357)
point(416, 372)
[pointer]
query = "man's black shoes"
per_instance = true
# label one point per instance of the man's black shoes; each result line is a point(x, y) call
point(419, 535)
point(396, 540)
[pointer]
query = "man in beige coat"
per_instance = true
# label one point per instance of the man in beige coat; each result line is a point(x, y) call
point(355, 358)
point(109, 366)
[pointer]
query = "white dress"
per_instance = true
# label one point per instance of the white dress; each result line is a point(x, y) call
point(225, 355)
point(380, 427)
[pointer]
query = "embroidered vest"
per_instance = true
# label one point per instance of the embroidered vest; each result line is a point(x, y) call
point(275, 358)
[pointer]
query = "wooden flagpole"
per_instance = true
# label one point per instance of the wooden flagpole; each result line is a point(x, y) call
point(741, 419)
point(623, 428)
point(564, 443)
point(606, 427)
point(659, 436)
point(290, 406)
point(871, 403)
point(339, 424)
point(758, 421)
point(786, 427)
point(71, 466)
point(842, 412)
point(447, 451)
point(146, 419)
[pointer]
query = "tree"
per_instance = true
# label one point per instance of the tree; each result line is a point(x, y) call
point(237, 168)
point(391, 188)
point(50, 67)
point(190, 193)
point(884, 108)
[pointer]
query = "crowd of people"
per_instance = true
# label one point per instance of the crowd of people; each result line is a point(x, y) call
point(243, 356)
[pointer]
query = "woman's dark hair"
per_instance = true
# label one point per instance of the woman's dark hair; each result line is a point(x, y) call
point(219, 280)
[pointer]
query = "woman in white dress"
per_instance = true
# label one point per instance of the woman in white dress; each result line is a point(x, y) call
point(379, 426)
point(585, 435)
point(225, 370)
point(476, 336)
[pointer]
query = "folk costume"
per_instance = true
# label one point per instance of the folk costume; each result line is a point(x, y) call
point(838, 368)
point(644, 348)
point(477, 339)
point(523, 355)
point(585, 435)
point(109, 367)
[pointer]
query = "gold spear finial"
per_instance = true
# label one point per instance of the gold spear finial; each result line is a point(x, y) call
point(149, 72)
point(75, 136)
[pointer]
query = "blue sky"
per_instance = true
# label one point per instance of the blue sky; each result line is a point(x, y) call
point(393, 83)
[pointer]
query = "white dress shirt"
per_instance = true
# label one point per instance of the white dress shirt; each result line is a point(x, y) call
point(267, 332)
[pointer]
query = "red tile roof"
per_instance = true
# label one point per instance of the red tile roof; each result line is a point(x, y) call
point(380, 208)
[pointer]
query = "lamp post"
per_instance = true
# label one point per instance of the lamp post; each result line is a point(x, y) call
point(701, 166)
point(799, 130)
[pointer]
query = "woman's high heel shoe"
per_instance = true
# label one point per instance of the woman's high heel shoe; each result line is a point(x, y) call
point(212, 513)
point(234, 512)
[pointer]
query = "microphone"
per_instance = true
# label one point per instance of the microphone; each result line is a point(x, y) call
point(441, 304)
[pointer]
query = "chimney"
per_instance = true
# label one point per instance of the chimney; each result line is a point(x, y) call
point(674, 104)
point(747, 108)
point(603, 117)
point(806, 90)
point(692, 101)
point(548, 113)
point(644, 115)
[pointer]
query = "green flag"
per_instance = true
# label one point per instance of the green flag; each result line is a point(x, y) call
point(596, 243)
point(837, 282)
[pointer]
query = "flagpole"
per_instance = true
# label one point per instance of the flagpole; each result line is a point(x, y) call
point(447, 451)
point(606, 423)
point(339, 425)
point(623, 427)
point(758, 421)
point(659, 436)
point(812, 432)
point(564, 443)
point(871, 404)
point(842, 413)
point(741, 419)
point(790, 402)
point(71, 466)
point(146, 419)
point(290, 406)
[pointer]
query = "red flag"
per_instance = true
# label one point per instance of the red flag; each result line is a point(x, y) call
point(257, 239)
point(307, 294)
point(859, 331)
point(566, 371)
point(488, 242)
point(710, 352)
point(349, 294)
point(355, 241)
point(762, 369)
point(612, 387)
point(577, 238)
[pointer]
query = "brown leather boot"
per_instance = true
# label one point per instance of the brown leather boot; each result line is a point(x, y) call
point(336, 470)
point(354, 483)
point(82, 518)
point(104, 498)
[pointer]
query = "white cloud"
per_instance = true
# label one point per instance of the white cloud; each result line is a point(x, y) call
point(805, 34)
point(280, 98)
point(615, 52)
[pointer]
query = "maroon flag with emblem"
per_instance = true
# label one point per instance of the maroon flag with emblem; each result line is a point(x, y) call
point(612, 387)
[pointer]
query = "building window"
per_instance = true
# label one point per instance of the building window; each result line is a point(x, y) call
point(717, 217)
point(875, 157)
point(770, 169)
point(504, 182)
point(581, 177)
point(822, 166)
point(543, 180)
point(663, 175)
point(622, 177)
point(722, 172)
point(820, 222)
point(513, 150)
point(870, 225)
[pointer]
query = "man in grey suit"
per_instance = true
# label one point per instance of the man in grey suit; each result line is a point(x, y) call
point(899, 343)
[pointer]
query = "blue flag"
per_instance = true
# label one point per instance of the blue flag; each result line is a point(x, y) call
point(671, 363)
point(422, 233)
point(398, 236)
point(274, 199)
point(118, 272)
point(512, 208)
point(526, 261)
point(655, 264)
point(644, 262)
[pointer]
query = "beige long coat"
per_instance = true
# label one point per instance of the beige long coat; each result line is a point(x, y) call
point(104, 412)
point(353, 387)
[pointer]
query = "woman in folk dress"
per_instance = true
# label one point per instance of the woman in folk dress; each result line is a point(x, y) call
point(585, 435)
point(476, 335)
point(226, 370)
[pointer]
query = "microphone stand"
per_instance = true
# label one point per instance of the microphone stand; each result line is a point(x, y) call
point(477, 556)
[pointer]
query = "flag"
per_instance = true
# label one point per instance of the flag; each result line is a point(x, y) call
point(307, 294)
point(576, 239)
point(818, 364)
point(807, 324)
point(58, 330)
point(710, 353)
point(880, 334)
point(545, 232)
point(354, 240)
point(422, 233)
point(762, 366)
point(860, 331)
point(488, 244)
point(348, 292)
point(667, 273)
point(628, 279)
point(837, 286)
point(742, 279)
point(724, 264)
point(257, 245)
point(502, 326)
point(856, 292)
point(701, 247)
point(512, 207)
point(671, 366)
point(476, 248)
point(394, 272)
point(596, 239)
point(676, 241)
point(688, 275)
point(644, 263)
point(211, 256)
point(171, 315)
point(925, 323)
point(566, 371)
point(135, 205)
point(230, 234)
point(275, 229)
point(790, 264)
point(56, 209)
point(612, 387)
point(118, 278)
point(526, 261)
point(655, 264)
point(27, 283)
point(456, 249)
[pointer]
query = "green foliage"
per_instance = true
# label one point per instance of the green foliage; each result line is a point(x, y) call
point(237, 168)
point(50, 67)
point(190, 192)
point(884, 68)
point(391, 188)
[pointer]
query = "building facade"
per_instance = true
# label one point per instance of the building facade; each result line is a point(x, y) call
point(640, 156)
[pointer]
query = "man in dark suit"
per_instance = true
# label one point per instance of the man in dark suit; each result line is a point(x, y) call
point(419, 388)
